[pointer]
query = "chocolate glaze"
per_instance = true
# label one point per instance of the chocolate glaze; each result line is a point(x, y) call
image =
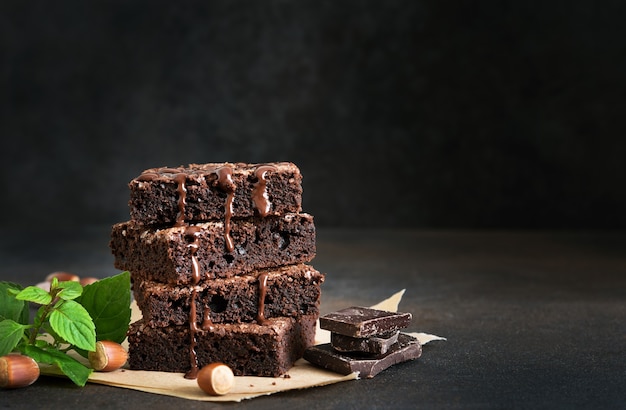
point(147, 176)
point(259, 193)
point(193, 329)
point(226, 184)
point(191, 234)
point(182, 198)
point(207, 323)
point(170, 170)
point(152, 174)
point(262, 293)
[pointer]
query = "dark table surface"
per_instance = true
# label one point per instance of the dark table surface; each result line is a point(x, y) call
point(532, 319)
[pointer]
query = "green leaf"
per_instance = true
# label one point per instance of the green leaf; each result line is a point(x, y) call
point(108, 304)
point(11, 333)
point(35, 294)
point(72, 322)
point(76, 371)
point(69, 290)
point(43, 344)
point(10, 307)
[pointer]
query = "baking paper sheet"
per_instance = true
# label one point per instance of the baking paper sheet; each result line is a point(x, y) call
point(301, 376)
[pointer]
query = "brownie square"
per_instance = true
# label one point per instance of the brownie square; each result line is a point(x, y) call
point(249, 349)
point(163, 255)
point(155, 194)
point(290, 291)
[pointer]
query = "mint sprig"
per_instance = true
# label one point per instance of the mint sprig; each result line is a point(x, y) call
point(73, 316)
point(108, 306)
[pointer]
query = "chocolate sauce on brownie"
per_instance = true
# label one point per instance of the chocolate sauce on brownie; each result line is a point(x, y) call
point(207, 323)
point(226, 184)
point(259, 193)
point(191, 234)
point(147, 176)
point(193, 329)
point(262, 293)
point(181, 189)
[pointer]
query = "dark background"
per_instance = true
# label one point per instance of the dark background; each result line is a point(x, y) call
point(423, 114)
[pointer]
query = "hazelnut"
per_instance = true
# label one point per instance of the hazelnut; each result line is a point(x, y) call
point(63, 277)
point(108, 356)
point(216, 379)
point(17, 370)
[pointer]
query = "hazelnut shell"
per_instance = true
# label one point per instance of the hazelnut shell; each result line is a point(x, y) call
point(108, 356)
point(216, 379)
point(17, 371)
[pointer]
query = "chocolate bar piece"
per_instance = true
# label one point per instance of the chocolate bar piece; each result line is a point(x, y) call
point(363, 322)
point(201, 192)
point(374, 345)
point(169, 255)
point(290, 291)
point(407, 348)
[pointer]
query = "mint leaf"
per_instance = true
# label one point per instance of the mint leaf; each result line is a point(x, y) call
point(34, 294)
point(69, 290)
point(72, 322)
point(76, 371)
point(11, 308)
point(108, 304)
point(11, 333)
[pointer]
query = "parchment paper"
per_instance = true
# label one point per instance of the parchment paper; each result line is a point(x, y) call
point(302, 375)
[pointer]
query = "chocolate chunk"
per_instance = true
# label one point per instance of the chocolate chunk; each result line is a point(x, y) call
point(364, 322)
point(375, 345)
point(407, 348)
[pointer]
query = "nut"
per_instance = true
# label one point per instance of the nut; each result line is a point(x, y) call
point(108, 356)
point(216, 379)
point(62, 277)
point(17, 370)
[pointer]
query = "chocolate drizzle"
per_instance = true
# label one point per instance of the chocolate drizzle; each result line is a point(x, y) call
point(192, 234)
point(207, 324)
point(259, 193)
point(147, 176)
point(181, 189)
point(260, 318)
point(226, 184)
point(193, 329)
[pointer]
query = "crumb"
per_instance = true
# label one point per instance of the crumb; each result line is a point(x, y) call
point(273, 383)
point(286, 376)
point(252, 385)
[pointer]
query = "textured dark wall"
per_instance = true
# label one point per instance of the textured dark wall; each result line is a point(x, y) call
point(399, 113)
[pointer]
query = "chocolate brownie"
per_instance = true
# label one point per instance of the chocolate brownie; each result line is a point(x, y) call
point(247, 348)
point(290, 291)
point(164, 255)
point(201, 192)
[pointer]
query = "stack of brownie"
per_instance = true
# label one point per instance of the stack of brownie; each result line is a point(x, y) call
point(218, 260)
point(364, 340)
